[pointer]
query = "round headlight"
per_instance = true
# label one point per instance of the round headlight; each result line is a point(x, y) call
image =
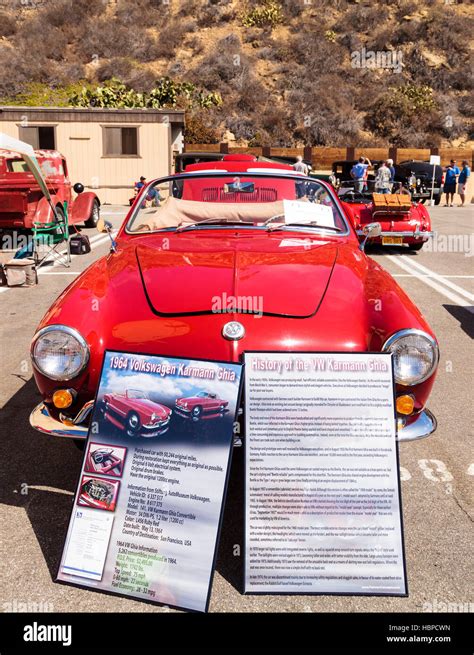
point(415, 356)
point(59, 352)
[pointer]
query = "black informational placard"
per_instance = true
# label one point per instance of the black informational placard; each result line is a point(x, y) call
point(148, 507)
point(323, 505)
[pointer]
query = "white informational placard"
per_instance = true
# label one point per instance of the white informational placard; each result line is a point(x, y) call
point(322, 501)
point(308, 212)
point(148, 506)
point(435, 160)
point(88, 543)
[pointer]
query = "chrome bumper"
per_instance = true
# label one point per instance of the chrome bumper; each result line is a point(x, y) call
point(416, 234)
point(41, 419)
point(424, 425)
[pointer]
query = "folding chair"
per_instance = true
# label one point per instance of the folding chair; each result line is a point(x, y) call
point(51, 240)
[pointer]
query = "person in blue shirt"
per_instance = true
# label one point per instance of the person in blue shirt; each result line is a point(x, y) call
point(452, 172)
point(463, 180)
point(359, 172)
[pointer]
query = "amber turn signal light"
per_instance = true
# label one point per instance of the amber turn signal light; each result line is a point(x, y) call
point(62, 398)
point(405, 404)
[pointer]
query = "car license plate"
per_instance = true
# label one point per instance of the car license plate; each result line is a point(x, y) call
point(392, 241)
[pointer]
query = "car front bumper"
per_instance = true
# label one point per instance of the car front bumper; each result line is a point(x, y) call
point(42, 420)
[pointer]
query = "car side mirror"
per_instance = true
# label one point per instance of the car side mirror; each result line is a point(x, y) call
point(106, 226)
point(101, 225)
point(78, 187)
point(370, 231)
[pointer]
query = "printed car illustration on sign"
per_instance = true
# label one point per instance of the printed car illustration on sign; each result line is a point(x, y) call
point(98, 493)
point(203, 405)
point(237, 229)
point(134, 413)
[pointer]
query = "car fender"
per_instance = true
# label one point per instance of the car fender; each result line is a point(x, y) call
point(81, 206)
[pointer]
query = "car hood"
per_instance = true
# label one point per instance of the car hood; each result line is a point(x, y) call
point(272, 276)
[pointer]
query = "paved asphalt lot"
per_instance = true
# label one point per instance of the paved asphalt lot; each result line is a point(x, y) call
point(39, 473)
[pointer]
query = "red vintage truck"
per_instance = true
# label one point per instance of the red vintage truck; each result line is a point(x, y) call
point(22, 202)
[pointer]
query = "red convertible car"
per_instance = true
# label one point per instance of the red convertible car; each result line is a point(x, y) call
point(135, 413)
point(203, 405)
point(403, 221)
point(281, 245)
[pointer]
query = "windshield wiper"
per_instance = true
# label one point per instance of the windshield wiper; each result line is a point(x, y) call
point(274, 228)
point(207, 221)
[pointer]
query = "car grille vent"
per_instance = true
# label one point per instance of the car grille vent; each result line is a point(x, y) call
point(215, 194)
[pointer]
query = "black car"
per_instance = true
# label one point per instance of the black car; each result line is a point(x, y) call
point(186, 158)
point(416, 176)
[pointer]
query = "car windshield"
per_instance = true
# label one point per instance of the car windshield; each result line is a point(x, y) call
point(202, 394)
point(254, 200)
point(135, 393)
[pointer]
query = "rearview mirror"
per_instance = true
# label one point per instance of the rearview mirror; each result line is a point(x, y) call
point(240, 187)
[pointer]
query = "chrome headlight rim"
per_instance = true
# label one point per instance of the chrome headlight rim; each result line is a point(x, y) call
point(407, 332)
point(71, 332)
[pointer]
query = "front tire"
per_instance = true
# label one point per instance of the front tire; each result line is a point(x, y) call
point(132, 424)
point(196, 413)
point(94, 215)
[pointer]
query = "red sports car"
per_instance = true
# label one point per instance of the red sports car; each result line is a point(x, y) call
point(203, 405)
point(403, 221)
point(241, 255)
point(134, 412)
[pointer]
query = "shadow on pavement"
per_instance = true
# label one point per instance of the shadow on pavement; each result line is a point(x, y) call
point(231, 565)
point(29, 459)
point(53, 464)
point(464, 316)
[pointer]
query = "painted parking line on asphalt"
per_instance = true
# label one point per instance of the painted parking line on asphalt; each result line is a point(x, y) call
point(439, 278)
point(436, 283)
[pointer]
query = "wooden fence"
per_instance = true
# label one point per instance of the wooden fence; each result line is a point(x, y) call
point(323, 157)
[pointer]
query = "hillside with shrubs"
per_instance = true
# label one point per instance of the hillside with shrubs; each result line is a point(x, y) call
point(262, 72)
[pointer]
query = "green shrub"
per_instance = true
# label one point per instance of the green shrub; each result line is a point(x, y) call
point(165, 93)
point(268, 14)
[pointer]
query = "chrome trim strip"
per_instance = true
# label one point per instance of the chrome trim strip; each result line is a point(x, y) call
point(424, 425)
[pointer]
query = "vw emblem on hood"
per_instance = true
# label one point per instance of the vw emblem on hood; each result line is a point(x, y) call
point(233, 331)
